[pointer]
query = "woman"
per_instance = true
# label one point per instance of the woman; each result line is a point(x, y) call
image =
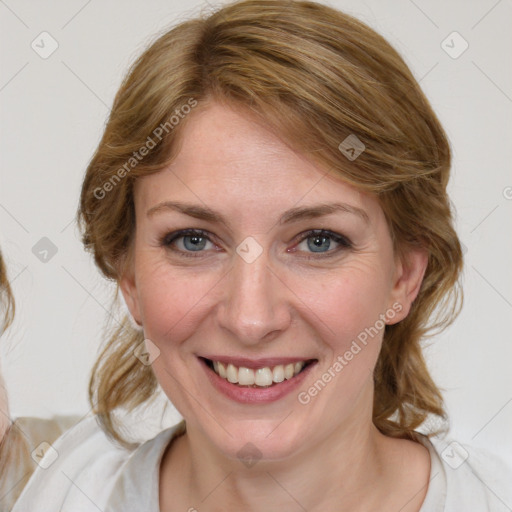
point(270, 196)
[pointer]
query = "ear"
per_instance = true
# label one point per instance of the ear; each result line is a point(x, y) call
point(409, 271)
point(131, 298)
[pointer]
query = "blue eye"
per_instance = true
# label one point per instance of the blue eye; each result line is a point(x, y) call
point(321, 241)
point(188, 241)
point(194, 243)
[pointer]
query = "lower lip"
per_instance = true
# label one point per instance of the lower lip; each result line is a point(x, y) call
point(247, 395)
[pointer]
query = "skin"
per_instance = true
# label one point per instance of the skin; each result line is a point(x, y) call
point(289, 302)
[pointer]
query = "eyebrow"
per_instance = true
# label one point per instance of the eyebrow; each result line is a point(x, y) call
point(292, 215)
point(320, 210)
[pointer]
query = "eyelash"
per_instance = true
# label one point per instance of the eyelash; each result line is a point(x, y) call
point(343, 241)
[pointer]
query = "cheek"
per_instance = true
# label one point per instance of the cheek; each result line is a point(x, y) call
point(172, 301)
point(345, 308)
point(345, 303)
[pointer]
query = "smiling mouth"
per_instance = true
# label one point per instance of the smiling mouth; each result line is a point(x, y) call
point(265, 377)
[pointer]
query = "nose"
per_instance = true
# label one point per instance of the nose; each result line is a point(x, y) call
point(255, 305)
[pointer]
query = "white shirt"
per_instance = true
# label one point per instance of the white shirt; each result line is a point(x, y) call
point(85, 472)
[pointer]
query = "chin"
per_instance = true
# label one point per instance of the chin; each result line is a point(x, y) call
point(259, 440)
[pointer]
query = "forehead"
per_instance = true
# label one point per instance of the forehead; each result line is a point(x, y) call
point(227, 158)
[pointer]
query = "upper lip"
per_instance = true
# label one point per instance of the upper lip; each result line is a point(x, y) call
point(256, 363)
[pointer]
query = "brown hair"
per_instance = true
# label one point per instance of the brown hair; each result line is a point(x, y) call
point(12, 445)
point(300, 67)
point(6, 298)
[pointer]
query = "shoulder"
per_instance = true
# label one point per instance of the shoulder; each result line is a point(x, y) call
point(468, 477)
point(85, 470)
point(24, 442)
point(73, 473)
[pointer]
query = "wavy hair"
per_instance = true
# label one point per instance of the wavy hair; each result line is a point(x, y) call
point(13, 448)
point(6, 298)
point(301, 68)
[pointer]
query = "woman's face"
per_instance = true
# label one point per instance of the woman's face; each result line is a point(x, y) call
point(248, 255)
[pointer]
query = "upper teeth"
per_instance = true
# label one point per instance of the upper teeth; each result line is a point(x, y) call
point(260, 377)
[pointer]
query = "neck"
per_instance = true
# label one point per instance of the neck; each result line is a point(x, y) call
point(353, 465)
point(356, 459)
